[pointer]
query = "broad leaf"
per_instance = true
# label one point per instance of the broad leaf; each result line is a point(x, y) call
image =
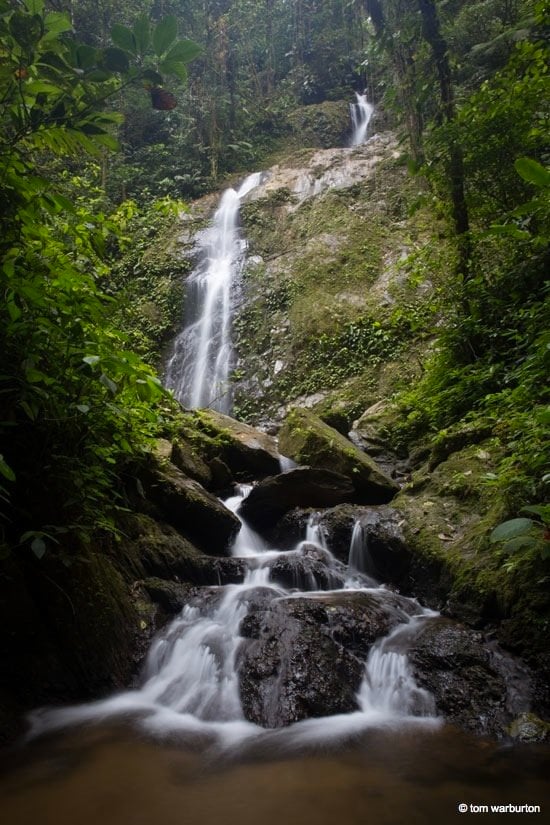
point(532, 172)
point(164, 34)
point(86, 56)
point(184, 51)
point(57, 22)
point(142, 29)
point(38, 547)
point(152, 77)
point(124, 38)
point(177, 69)
point(511, 529)
point(520, 541)
point(115, 60)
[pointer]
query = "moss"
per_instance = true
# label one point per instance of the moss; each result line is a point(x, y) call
point(449, 515)
point(308, 440)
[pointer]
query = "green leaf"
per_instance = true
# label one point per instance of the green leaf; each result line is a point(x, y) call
point(142, 33)
point(164, 34)
point(86, 57)
point(92, 360)
point(115, 60)
point(108, 383)
point(152, 77)
point(98, 76)
point(57, 22)
point(510, 529)
point(177, 69)
point(83, 408)
point(542, 510)
point(34, 6)
point(124, 38)
point(509, 229)
point(520, 541)
point(184, 51)
point(6, 470)
point(109, 141)
point(38, 547)
point(545, 552)
point(26, 30)
point(532, 172)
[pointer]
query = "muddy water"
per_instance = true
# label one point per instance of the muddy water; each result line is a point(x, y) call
point(110, 776)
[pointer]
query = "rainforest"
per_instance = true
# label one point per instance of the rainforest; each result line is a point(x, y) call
point(274, 413)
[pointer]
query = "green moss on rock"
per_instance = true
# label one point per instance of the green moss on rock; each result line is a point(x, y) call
point(308, 440)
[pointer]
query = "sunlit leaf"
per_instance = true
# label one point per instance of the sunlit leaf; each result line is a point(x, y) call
point(532, 172)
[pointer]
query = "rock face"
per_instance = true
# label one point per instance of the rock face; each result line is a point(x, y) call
point(307, 655)
point(469, 684)
point(156, 550)
point(308, 440)
point(302, 487)
point(186, 505)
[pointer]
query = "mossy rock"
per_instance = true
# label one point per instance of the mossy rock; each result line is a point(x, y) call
point(529, 728)
point(321, 124)
point(308, 440)
point(186, 505)
point(248, 452)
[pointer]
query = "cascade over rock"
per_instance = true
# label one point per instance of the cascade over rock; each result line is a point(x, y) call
point(301, 487)
point(308, 440)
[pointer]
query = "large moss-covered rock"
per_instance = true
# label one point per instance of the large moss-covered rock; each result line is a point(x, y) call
point(153, 549)
point(308, 440)
point(303, 487)
point(70, 628)
point(248, 452)
point(190, 508)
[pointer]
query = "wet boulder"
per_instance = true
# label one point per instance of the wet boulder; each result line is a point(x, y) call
point(372, 434)
point(248, 452)
point(303, 487)
point(170, 596)
point(153, 549)
point(309, 568)
point(187, 459)
point(308, 440)
point(307, 655)
point(188, 507)
point(469, 685)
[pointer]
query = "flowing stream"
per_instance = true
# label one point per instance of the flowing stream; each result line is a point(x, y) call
point(178, 748)
point(191, 676)
point(200, 364)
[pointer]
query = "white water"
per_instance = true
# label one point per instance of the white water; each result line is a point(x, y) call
point(199, 367)
point(191, 682)
point(361, 113)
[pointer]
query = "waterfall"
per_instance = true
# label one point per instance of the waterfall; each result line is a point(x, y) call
point(191, 678)
point(200, 364)
point(361, 113)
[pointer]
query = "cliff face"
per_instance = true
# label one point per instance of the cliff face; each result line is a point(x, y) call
point(340, 296)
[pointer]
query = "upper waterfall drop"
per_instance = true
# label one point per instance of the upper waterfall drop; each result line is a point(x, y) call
point(199, 366)
point(361, 113)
